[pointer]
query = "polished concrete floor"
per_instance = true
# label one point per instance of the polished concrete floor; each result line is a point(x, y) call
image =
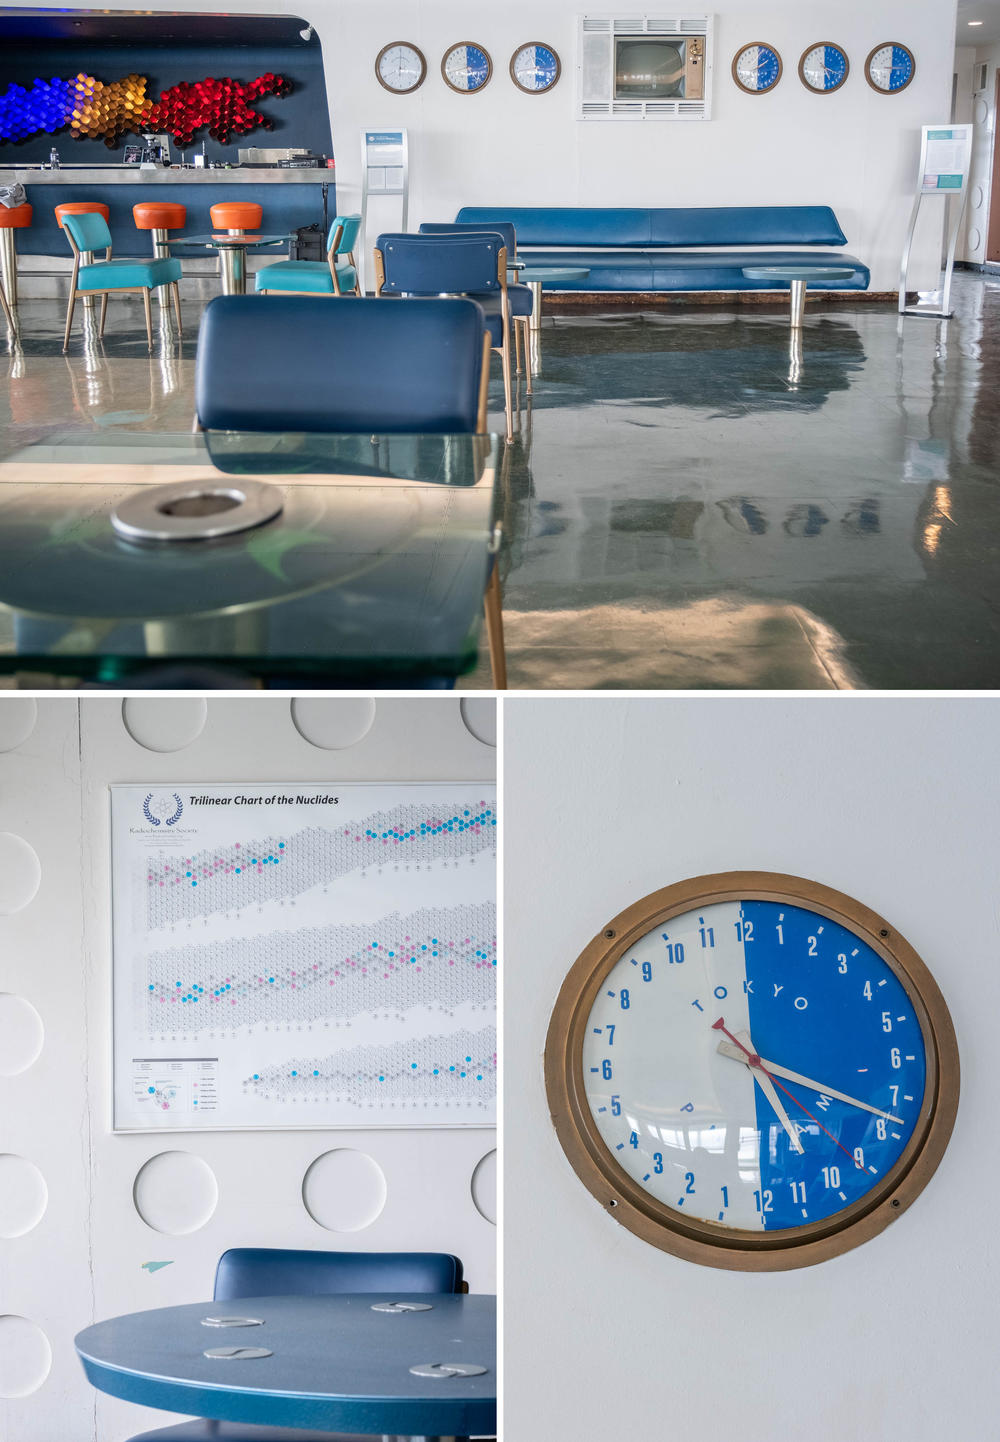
point(692, 499)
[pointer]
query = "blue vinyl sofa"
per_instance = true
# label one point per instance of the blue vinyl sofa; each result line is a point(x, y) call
point(675, 249)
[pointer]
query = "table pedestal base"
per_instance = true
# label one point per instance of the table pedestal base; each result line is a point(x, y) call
point(233, 263)
point(535, 286)
point(798, 298)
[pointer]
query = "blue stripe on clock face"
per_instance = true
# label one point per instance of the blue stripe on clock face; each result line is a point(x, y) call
point(902, 67)
point(824, 1004)
point(834, 62)
point(767, 67)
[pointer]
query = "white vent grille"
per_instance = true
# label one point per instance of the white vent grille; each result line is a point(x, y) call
point(596, 67)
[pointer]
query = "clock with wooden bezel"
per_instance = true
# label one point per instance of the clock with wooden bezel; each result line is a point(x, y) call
point(400, 67)
point(890, 68)
point(823, 68)
point(466, 67)
point(535, 68)
point(757, 68)
point(752, 1071)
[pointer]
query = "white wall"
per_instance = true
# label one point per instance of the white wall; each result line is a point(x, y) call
point(980, 108)
point(894, 802)
point(854, 150)
point(83, 1259)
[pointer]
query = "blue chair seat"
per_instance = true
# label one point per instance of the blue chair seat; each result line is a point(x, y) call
point(144, 274)
point(688, 269)
point(519, 297)
point(312, 275)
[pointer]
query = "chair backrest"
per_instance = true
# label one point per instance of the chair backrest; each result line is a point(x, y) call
point(299, 363)
point(90, 231)
point(438, 264)
point(503, 228)
point(275, 1272)
point(348, 236)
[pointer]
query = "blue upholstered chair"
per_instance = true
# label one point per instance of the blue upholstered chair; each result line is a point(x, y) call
point(518, 296)
point(418, 366)
point(448, 265)
point(90, 233)
point(275, 1272)
point(333, 276)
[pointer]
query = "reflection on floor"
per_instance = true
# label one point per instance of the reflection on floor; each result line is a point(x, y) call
point(692, 499)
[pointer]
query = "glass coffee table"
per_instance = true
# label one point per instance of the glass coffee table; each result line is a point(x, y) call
point(374, 566)
point(797, 278)
point(232, 247)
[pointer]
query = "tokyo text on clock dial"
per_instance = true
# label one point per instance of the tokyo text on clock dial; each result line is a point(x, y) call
point(761, 1071)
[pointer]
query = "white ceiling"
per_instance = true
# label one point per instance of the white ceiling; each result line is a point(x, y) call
point(988, 11)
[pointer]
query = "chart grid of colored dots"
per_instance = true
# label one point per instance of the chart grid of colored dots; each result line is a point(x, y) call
point(230, 877)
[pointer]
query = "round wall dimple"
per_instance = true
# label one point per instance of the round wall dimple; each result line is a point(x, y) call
point(20, 873)
point(978, 196)
point(974, 239)
point(344, 1190)
point(164, 723)
point(333, 723)
point(23, 1195)
point(25, 1356)
point(981, 111)
point(175, 1193)
point(480, 716)
point(484, 1186)
point(21, 1034)
point(18, 715)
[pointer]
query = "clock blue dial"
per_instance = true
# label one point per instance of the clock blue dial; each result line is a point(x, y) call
point(467, 67)
point(757, 68)
point(824, 67)
point(535, 67)
point(755, 1065)
point(890, 68)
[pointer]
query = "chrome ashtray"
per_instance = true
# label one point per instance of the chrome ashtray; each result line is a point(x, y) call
point(196, 510)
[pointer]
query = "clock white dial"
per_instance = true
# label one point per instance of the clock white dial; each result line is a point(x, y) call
point(824, 67)
point(889, 68)
point(466, 67)
point(400, 67)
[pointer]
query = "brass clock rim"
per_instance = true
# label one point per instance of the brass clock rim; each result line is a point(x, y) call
point(423, 67)
point(528, 44)
point(843, 79)
point(749, 46)
point(871, 56)
point(705, 1242)
point(489, 67)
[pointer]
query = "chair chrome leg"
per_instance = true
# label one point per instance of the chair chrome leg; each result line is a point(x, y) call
point(492, 608)
point(149, 317)
point(8, 312)
point(516, 326)
point(524, 325)
point(176, 294)
point(69, 317)
point(8, 267)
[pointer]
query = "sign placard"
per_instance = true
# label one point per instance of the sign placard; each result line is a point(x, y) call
point(384, 172)
point(302, 955)
point(945, 158)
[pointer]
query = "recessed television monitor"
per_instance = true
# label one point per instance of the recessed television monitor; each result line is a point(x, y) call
point(659, 67)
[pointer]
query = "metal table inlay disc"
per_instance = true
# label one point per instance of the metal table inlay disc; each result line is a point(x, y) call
point(232, 1321)
point(237, 1354)
point(196, 510)
point(448, 1369)
point(396, 1307)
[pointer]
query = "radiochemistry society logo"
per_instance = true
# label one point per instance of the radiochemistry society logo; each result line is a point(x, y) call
point(162, 808)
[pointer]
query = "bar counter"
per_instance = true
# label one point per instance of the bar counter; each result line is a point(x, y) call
point(290, 198)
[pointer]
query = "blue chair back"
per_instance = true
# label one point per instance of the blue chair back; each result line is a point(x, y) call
point(349, 235)
point(439, 265)
point(302, 364)
point(503, 228)
point(89, 230)
point(275, 1272)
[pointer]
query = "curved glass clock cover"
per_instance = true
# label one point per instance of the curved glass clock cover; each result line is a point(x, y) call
point(467, 67)
point(837, 1047)
point(890, 67)
point(400, 67)
point(535, 67)
point(758, 67)
point(824, 67)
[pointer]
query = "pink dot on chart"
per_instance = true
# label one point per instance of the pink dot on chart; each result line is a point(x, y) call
point(292, 984)
point(161, 883)
point(333, 983)
point(166, 1107)
point(420, 968)
point(451, 963)
point(233, 1001)
point(237, 846)
point(162, 1000)
point(149, 877)
point(315, 966)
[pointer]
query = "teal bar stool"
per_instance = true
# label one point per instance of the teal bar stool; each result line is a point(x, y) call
point(89, 233)
point(337, 275)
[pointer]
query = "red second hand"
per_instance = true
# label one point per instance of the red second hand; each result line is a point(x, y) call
point(754, 1060)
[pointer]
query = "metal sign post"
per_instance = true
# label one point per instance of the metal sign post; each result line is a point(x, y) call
point(945, 155)
point(385, 171)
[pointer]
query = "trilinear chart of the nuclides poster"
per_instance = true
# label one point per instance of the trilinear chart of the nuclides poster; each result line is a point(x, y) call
point(304, 955)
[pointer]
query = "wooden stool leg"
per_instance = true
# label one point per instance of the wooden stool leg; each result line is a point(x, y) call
point(507, 402)
point(492, 607)
point(524, 327)
point(69, 316)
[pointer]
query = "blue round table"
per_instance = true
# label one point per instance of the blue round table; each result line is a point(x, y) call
point(335, 1364)
point(797, 278)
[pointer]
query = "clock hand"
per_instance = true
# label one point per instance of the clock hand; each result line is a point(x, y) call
point(727, 1049)
point(767, 1087)
point(753, 1060)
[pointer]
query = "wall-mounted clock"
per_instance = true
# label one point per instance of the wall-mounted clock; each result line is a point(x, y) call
point(752, 1071)
point(757, 68)
point(890, 68)
point(535, 68)
point(400, 67)
point(466, 67)
point(824, 67)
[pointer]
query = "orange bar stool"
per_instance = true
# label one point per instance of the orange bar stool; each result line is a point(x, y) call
point(161, 217)
point(237, 216)
point(18, 217)
point(83, 207)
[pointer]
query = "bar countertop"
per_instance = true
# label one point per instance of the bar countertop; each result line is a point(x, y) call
point(162, 175)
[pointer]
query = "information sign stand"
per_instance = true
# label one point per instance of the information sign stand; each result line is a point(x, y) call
point(384, 172)
point(945, 155)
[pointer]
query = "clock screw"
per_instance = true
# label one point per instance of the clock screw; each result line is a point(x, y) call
point(894, 1203)
point(883, 932)
point(613, 1202)
point(610, 933)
